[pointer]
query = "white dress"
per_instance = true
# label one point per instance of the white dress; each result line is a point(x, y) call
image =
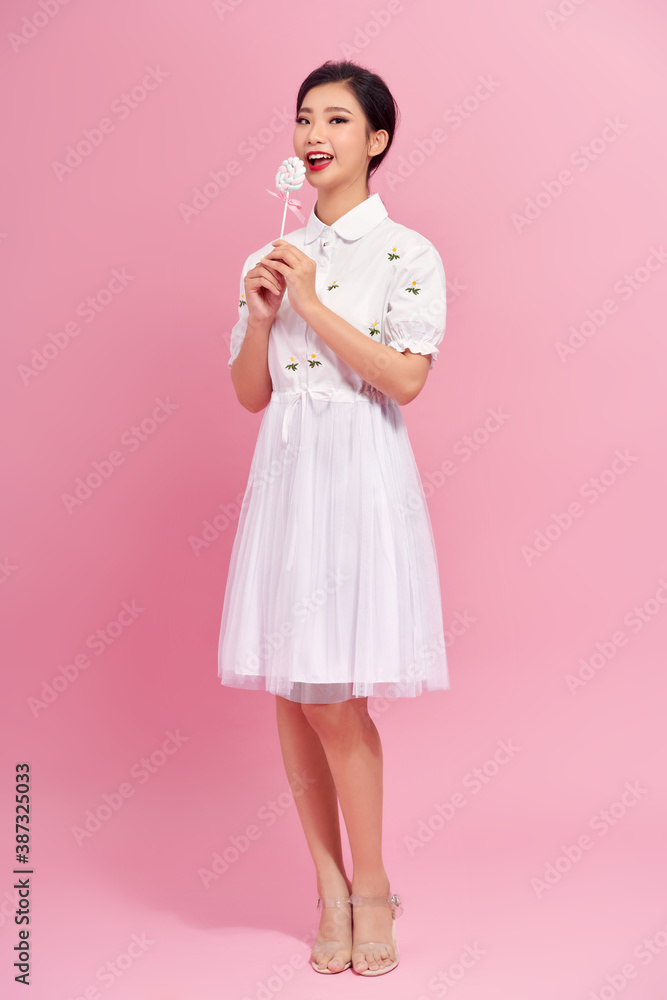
point(333, 589)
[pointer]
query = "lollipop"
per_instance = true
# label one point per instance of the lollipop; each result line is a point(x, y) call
point(290, 177)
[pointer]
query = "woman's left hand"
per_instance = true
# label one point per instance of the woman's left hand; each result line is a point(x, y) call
point(298, 271)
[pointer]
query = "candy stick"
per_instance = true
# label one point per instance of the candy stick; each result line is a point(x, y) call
point(291, 175)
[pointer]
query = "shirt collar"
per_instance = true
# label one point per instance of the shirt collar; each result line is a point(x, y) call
point(355, 223)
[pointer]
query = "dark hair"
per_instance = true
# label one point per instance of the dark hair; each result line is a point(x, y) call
point(370, 90)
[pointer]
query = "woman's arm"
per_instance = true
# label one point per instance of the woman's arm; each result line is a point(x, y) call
point(401, 376)
point(251, 378)
point(250, 371)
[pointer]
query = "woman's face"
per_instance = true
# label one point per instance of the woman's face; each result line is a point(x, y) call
point(330, 120)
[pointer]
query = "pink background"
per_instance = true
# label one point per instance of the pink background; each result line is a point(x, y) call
point(516, 291)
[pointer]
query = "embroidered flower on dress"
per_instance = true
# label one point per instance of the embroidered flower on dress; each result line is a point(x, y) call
point(242, 301)
point(392, 254)
point(335, 285)
point(411, 288)
point(374, 329)
point(293, 364)
point(311, 360)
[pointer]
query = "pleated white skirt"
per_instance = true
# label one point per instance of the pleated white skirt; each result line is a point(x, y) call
point(333, 589)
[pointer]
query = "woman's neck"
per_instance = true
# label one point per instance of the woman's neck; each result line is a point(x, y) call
point(329, 208)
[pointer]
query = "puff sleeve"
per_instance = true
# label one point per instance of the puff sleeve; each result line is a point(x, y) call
point(417, 302)
point(239, 328)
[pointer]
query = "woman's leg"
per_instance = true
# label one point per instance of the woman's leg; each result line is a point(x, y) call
point(317, 804)
point(352, 747)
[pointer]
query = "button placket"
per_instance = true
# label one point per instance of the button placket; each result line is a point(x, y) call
point(324, 248)
point(325, 244)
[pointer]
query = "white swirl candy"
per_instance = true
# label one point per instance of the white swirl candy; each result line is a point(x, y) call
point(291, 174)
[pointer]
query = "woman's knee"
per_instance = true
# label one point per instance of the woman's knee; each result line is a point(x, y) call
point(338, 715)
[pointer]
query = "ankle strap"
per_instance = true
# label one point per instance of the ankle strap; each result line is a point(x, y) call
point(340, 901)
point(394, 901)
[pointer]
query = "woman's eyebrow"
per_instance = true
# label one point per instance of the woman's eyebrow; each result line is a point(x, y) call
point(310, 110)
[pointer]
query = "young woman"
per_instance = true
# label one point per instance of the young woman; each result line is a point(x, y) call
point(333, 593)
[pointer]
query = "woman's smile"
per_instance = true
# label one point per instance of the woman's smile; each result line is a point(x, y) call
point(318, 161)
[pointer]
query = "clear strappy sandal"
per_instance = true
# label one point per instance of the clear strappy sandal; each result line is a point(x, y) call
point(394, 901)
point(339, 902)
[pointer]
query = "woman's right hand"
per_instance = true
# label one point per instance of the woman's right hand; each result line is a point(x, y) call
point(264, 290)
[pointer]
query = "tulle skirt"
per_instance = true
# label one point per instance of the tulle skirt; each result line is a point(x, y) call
point(333, 589)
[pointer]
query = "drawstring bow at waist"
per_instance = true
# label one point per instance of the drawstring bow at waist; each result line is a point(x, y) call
point(293, 396)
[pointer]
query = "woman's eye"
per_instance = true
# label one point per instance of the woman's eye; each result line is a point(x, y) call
point(337, 119)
